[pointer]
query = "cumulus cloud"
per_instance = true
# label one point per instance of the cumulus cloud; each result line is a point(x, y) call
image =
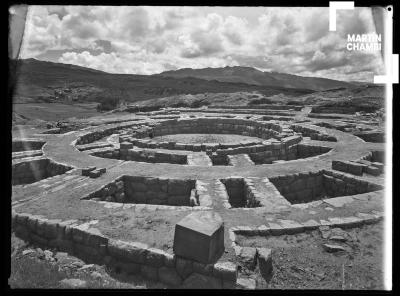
point(147, 40)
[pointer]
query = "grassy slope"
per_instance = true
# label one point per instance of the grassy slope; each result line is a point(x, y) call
point(40, 79)
point(359, 97)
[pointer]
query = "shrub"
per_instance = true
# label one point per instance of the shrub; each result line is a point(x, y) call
point(199, 103)
point(295, 103)
point(260, 101)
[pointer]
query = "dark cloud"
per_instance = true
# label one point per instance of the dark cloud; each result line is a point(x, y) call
point(105, 45)
point(206, 43)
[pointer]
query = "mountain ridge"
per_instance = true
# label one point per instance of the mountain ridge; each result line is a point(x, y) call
point(43, 80)
point(254, 76)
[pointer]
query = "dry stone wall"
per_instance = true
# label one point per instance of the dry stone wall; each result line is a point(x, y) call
point(89, 244)
point(144, 190)
point(313, 134)
point(34, 169)
point(306, 187)
point(26, 145)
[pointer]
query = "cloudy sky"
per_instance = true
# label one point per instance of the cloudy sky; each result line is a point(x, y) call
point(147, 40)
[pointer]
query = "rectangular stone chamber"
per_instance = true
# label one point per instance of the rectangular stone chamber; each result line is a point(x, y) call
point(307, 187)
point(148, 190)
point(286, 153)
point(35, 169)
point(240, 194)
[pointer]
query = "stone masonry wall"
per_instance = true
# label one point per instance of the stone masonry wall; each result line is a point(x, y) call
point(145, 190)
point(26, 145)
point(306, 187)
point(260, 107)
point(32, 170)
point(143, 155)
point(89, 244)
point(313, 134)
point(240, 193)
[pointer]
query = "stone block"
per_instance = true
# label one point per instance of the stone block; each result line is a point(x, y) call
point(276, 229)
point(149, 272)
point(51, 228)
point(169, 276)
point(87, 170)
point(95, 238)
point(31, 224)
point(378, 165)
point(200, 281)
point(246, 283)
point(265, 262)
point(40, 240)
point(226, 271)
point(291, 227)
point(248, 257)
point(95, 173)
point(228, 285)
point(310, 225)
point(41, 226)
point(373, 170)
point(87, 253)
point(206, 269)
point(65, 245)
point(125, 145)
point(169, 260)
point(339, 165)
point(130, 268)
point(155, 257)
point(132, 251)
point(184, 267)
point(200, 237)
point(263, 230)
point(355, 169)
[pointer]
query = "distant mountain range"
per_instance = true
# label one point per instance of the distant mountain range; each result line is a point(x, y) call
point(40, 80)
point(253, 76)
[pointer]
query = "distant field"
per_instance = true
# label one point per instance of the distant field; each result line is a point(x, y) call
point(55, 111)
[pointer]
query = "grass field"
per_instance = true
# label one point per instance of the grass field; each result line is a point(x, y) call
point(55, 111)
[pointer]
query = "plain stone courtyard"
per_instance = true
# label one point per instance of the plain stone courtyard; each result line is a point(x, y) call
point(206, 198)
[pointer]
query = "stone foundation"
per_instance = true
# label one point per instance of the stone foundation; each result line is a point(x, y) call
point(286, 153)
point(91, 246)
point(145, 190)
point(240, 193)
point(313, 134)
point(31, 170)
point(307, 187)
point(26, 145)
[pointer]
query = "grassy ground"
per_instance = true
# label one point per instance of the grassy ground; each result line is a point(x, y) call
point(55, 111)
point(300, 261)
point(33, 271)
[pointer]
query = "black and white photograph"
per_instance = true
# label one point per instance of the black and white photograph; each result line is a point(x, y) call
point(201, 147)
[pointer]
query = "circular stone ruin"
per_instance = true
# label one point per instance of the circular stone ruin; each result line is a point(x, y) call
point(117, 193)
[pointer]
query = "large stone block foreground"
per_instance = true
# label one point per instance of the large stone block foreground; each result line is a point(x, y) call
point(200, 236)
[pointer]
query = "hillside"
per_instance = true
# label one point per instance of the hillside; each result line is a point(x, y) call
point(47, 81)
point(360, 92)
point(253, 76)
point(361, 98)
